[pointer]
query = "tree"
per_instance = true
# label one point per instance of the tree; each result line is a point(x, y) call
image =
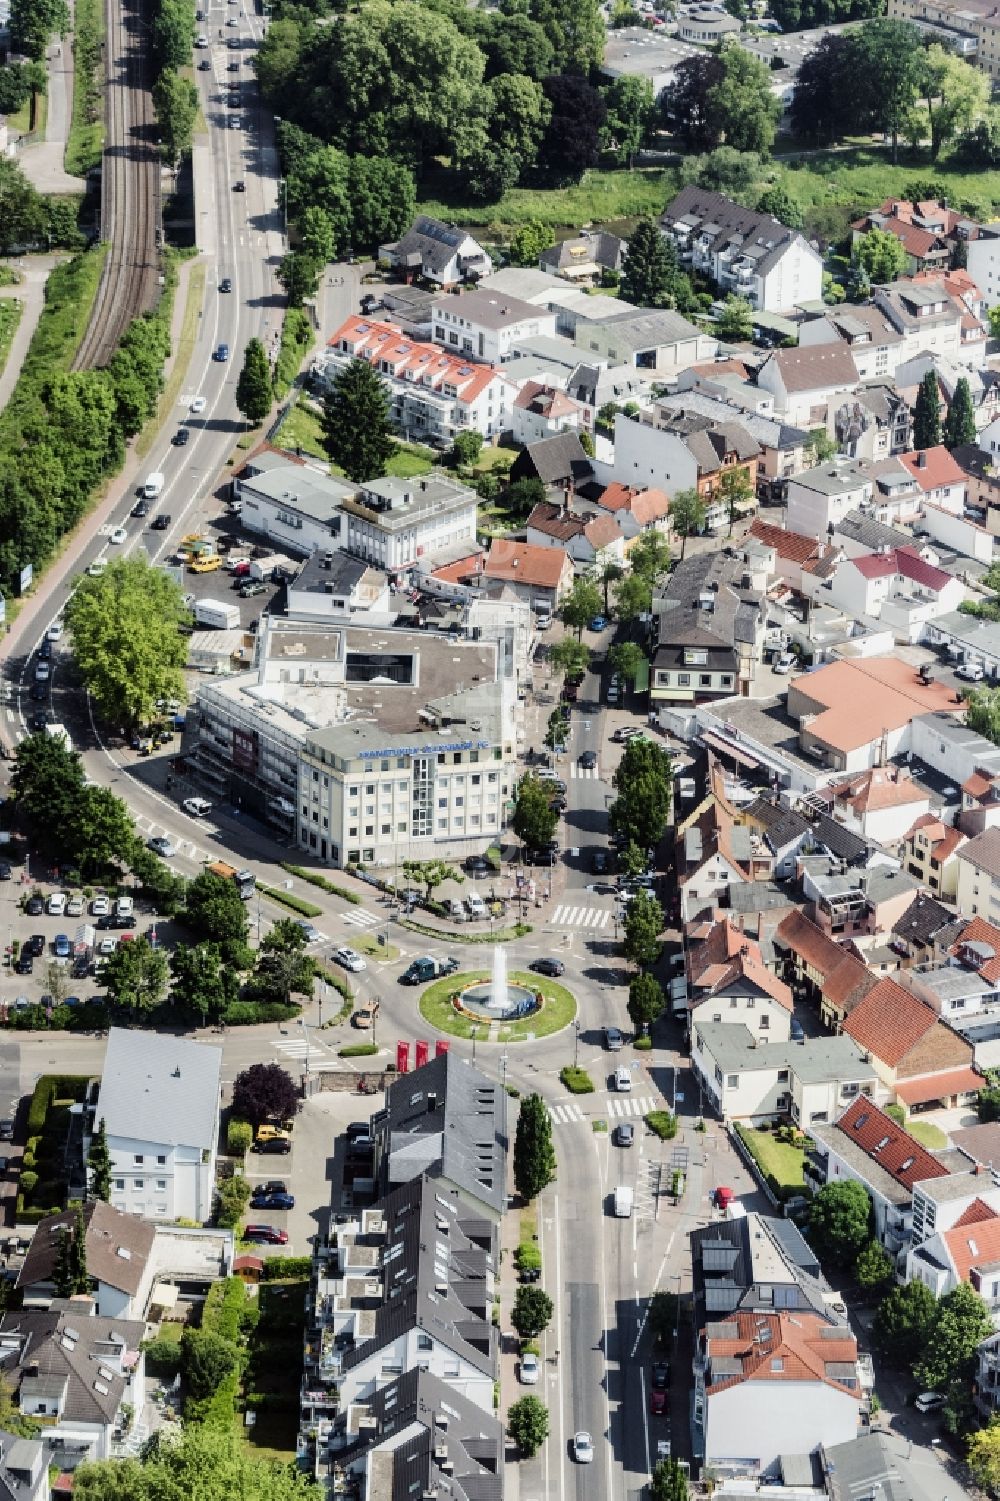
point(984, 713)
point(125, 628)
point(33, 22)
point(572, 140)
point(821, 445)
point(528, 242)
point(633, 597)
point(528, 1424)
point(779, 203)
point(649, 268)
point(99, 1161)
point(575, 31)
point(631, 109)
point(961, 1322)
point(736, 493)
point(983, 1456)
point(253, 389)
point(316, 235)
point(136, 977)
point(645, 1001)
point(265, 1091)
point(882, 254)
point(570, 657)
point(534, 1154)
point(642, 784)
point(523, 495)
point(175, 100)
point(954, 97)
point(46, 783)
point(214, 909)
point(71, 1275)
point(355, 422)
point(669, 1482)
point(203, 987)
point(299, 275)
point(466, 447)
point(650, 556)
point(644, 922)
point(838, 1222)
point(430, 873)
point(960, 423)
point(903, 1322)
point(687, 516)
point(742, 103)
point(206, 1460)
point(887, 55)
point(534, 821)
point(206, 1360)
point(532, 1311)
point(735, 322)
point(927, 413)
point(607, 574)
point(581, 604)
point(686, 102)
point(874, 1266)
point(627, 659)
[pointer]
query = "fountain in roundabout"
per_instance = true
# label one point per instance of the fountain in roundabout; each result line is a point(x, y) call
point(498, 999)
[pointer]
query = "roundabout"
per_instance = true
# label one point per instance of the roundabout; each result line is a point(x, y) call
point(497, 1007)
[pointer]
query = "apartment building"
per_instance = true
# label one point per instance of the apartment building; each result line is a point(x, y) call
point(751, 254)
point(978, 888)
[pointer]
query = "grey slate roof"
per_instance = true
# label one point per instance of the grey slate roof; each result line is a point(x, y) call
point(683, 622)
point(434, 242)
point(118, 1247)
point(754, 1264)
point(838, 840)
point(158, 1088)
point(64, 1350)
point(760, 236)
point(736, 1050)
point(782, 826)
point(554, 460)
point(768, 432)
point(650, 328)
point(23, 1471)
point(870, 534)
point(923, 918)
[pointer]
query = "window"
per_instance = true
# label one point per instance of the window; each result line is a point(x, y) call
point(782, 1076)
point(161, 1184)
point(424, 1342)
point(733, 1081)
point(120, 1183)
point(161, 1161)
point(137, 1159)
point(705, 679)
point(139, 1184)
point(683, 680)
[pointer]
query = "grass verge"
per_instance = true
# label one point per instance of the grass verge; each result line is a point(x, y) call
point(300, 429)
point(69, 298)
point(527, 1253)
point(293, 903)
point(367, 944)
point(86, 132)
point(558, 1011)
point(11, 309)
point(502, 935)
point(576, 1079)
point(315, 879)
point(182, 359)
point(780, 1162)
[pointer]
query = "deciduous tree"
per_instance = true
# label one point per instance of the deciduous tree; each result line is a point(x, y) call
point(99, 1161)
point(581, 604)
point(687, 516)
point(644, 922)
point(534, 1154)
point(838, 1221)
point(572, 140)
point(253, 389)
point(206, 1460)
point(528, 242)
point(175, 100)
point(136, 977)
point(214, 910)
point(570, 657)
point(735, 322)
point(669, 1482)
point(528, 1424)
point(961, 1322)
point(356, 431)
point(532, 1311)
point(627, 659)
point(630, 112)
point(779, 203)
point(642, 784)
point(265, 1092)
point(882, 254)
point(874, 1266)
point(534, 820)
point(203, 987)
point(645, 1001)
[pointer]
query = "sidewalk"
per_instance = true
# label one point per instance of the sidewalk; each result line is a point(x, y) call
point(44, 161)
point(31, 293)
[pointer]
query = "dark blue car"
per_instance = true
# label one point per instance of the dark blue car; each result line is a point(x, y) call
point(273, 1201)
point(61, 946)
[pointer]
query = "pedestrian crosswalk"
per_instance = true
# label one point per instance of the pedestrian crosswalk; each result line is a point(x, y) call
point(360, 917)
point(297, 1047)
point(629, 1104)
point(564, 1115)
point(582, 917)
point(584, 773)
point(185, 847)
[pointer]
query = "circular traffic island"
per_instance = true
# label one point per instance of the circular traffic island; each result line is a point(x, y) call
point(464, 1005)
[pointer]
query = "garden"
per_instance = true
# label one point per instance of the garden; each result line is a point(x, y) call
point(43, 1185)
point(779, 1154)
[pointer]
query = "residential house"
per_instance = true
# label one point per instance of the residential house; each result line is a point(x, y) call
point(918, 1059)
point(440, 253)
point(433, 394)
point(783, 831)
point(394, 522)
point(880, 803)
point(818, 968)
point(808, 382)
point(24, 1473)
point(82, 1375)
point(961, 982)
point(866, 1146)
point(800, 563)
point(940, 1204)
point(863, 329)
point(859, 533)
point(651, 339)
point(853, 903)
point(821, 497)
point(718, 450)
point(754, 1264)
point(968, 1252)
point(926, 249)
point(159, 1101)
point(559, 462)
point(742, 251)
point(584, 257)
point(729, 982)
point(929, 319)
point(636, 511)
point(978, 890)
point(710, 630)
point(539, 575)
point(588, 540)
point(981, 800)
point(486, 326)
point(898, 589)
point(930, 853)
point(745, 1079)
point(712, 853)
point(336, 586)
point(118, 1251)
point(541, 411)
point(986, 1383)
point(982, 478)
point(914, 935)
point(408, 1283)
point(983, 257)
point(417, 1434)
point(293, 505)
point(940, 479)
point(762, 1376)
point(448, 1120)
point(728, 397)
point(874, 423)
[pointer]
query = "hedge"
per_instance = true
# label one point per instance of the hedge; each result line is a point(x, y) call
point(315, 879)
point(52, 1087)
point(358, 1050)
point(663, 1124)
point(341, 986)
point(250, 1013)
point(228, 1311)
point(502, 935)
point(287, 1268)
point(295, 903)
point(576, 1080)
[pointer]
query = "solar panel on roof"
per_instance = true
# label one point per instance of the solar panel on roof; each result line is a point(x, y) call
point(718, 1258)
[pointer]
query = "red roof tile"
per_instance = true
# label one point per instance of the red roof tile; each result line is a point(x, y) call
point(927, 1087)
point(973, 1245)
point(791, 546)
point(519, 562)
point(891, 1146)
point(977, 1211)
point(780, 1347)
point(939, 468)
point(889, 1021)
point(905, 561)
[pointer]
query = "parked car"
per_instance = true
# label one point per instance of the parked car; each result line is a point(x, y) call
point(598, 623)
point(101, 905)
point(477, 865)
point(36, 944)
point(279, 1144)
point(972, 672)
point(529, 1372)
point(657, 1402)
point(34, 906)
point(266, 1234)
point(61, 946)
point(280, 1200)
point(57, 904)
point(6, 1130)
point(785, 662)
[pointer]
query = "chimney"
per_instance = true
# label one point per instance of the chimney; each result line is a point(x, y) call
point(922, 459)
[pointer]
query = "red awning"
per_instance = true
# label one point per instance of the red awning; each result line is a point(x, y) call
point(938, 1086)
point(727, 748)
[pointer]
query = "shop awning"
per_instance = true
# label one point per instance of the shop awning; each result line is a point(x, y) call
point(727, 748)
point(939, 1086)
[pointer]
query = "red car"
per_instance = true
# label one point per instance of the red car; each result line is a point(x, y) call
point(267, 1233)
point(657, 1403)
point(724, 1197)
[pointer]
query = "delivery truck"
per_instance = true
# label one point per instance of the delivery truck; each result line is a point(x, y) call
point(217, 613)
point(246, 881)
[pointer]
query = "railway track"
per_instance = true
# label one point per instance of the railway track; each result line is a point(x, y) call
point(130, 176)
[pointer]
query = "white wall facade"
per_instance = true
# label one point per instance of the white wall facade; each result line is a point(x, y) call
point(765, 1017)
point(747, 1426)
point(812, 509)
point(796, 277)
point(456, 330)
point(647, 456)
point(160, 1181)
point(409, 1350)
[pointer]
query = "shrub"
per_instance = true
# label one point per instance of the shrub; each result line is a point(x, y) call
point(643, 1044)
point(234, 1196)
point(358, 1050)
point(663, 1124)
point(239, 1138)
point(296, 903)
point(163, 1356)
point(29, 1182)
point(315, 879)
point(576, 1080)
point(287, 1268)
point(528, 1257)
point(51, 1087)
point(251, 1013)
point(896, 1113)
point(227, 1310)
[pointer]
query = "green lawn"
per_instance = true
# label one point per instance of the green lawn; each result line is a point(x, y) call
point(780, 1163)
point(366, 943)
point(557, 1013)
point(599, 197)
point(928, 1135)
point(301, 428)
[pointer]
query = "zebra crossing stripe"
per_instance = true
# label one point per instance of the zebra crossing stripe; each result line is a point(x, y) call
point(563, 1115)
point(632, 1106)
point(360, 917)
point(582, 917)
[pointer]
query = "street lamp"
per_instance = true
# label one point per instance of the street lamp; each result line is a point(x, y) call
point(475, 1034)
point(576, 1042)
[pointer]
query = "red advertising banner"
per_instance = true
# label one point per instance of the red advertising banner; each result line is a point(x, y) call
point(422, 1051)
point(402, 1057)
point(440, 1048)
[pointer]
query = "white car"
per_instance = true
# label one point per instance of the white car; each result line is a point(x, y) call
point(163, 847)
point(972, 672)
point(74, 907)
point(107, 945)
point(198, 404)
point(118, 536)
point(41, 672)
point(529, 1372)
point(623, 1078)
point(124, 906)
point(583, 1448)
point(785, 662)
point(56, 904)
point(101, 906)
point(928, 1401)
point(476, 905)
point(55, 630)
point(97, 567)
point(196, 806)
point(350, 959)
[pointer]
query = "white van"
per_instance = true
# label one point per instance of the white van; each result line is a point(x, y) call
point(153, 486)
point(623, 1202)
point(476, 905)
